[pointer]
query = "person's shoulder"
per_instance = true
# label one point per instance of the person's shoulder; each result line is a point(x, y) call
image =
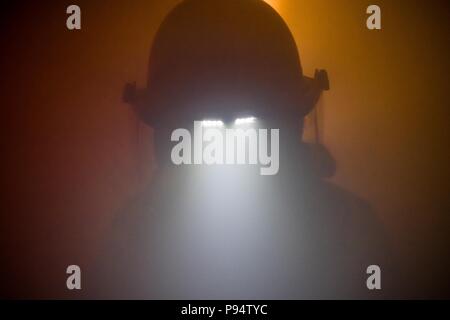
point(133, 216)
point(350, 203)
point(356, 214)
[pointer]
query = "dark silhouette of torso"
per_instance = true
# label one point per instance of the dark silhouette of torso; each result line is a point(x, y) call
point(293, 236)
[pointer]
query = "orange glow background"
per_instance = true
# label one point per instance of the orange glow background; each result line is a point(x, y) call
point(73, 153)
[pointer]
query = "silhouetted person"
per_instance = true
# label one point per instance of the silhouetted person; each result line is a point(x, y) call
point(226, 231)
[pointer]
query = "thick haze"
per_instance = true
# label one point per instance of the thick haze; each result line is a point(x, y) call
point(74, 153)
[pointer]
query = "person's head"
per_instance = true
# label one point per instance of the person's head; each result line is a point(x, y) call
point(223, 60)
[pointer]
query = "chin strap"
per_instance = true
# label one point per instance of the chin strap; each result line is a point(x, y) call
point(314, 88)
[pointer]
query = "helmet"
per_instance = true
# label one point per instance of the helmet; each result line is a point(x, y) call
point(221, 60)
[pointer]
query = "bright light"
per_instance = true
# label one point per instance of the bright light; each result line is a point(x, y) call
point(212, 123)
point(274, 4)
point(242, 121)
